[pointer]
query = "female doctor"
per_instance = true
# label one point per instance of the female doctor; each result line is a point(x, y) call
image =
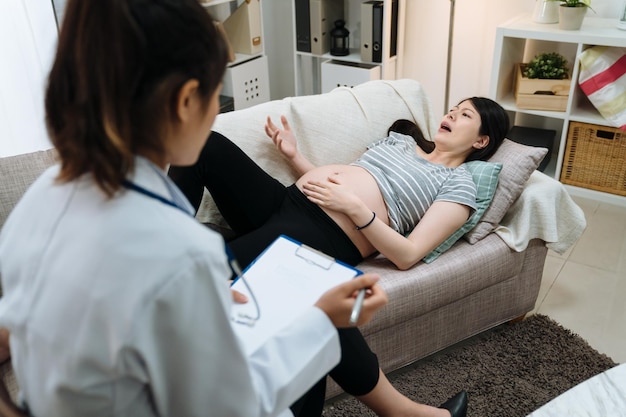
point(114, 296)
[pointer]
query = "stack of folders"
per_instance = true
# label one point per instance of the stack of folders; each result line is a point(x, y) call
point(315, 19)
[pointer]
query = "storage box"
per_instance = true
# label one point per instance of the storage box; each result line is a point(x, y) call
point(532, 136)
point(595, 158)
point(346, 74)
point(540, 94)
point(248, 83)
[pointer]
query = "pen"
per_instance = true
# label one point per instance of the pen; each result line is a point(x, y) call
point(358, 305)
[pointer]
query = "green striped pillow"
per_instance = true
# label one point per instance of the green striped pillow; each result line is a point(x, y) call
point(485, 176)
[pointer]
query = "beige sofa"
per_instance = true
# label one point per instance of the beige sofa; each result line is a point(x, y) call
point(468, 289)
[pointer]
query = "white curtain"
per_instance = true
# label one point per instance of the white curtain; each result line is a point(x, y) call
point(28, 36)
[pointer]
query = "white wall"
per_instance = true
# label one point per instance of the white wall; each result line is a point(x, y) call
point(474, 36)
point(27, 38)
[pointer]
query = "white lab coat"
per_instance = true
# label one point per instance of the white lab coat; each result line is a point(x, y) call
point(120, 307)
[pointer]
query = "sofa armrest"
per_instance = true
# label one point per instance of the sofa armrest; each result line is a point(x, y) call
point(543, 211)
point(18, 173)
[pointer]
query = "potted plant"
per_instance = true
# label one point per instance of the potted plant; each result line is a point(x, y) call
point(547, 65)
point(572, 13)
point(543, 83)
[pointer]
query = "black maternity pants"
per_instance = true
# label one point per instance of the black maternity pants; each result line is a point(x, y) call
point(258, 208)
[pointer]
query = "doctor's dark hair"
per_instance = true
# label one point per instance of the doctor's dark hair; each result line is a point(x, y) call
point(116, 76)
point(494, 122)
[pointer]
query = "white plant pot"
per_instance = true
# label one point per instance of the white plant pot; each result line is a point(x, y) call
point(571, 18)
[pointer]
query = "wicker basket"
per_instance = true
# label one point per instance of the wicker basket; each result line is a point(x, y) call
point(595, 158)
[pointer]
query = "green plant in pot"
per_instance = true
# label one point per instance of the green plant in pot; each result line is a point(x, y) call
point(575, 3)
point(543, 83)
point(547, 65)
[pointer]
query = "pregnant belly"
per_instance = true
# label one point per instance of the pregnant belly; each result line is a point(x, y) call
point(360, 182)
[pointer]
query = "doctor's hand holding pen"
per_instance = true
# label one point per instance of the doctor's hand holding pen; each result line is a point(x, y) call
point(341, 302)
point(338, 303)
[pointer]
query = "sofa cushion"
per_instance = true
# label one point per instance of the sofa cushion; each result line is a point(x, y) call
point(485, 176)
point(18, 173)
point(428, 287)
point(518, 163)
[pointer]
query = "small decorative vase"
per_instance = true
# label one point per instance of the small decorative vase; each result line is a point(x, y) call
point(571, 18)
point(546, 11)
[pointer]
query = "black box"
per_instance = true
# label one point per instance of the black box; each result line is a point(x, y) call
point(227, 104)
point(532, 136)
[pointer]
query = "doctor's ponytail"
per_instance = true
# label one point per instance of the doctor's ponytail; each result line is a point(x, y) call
point(117, 71)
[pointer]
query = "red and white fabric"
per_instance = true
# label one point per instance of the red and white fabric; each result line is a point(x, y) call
point(603, 80)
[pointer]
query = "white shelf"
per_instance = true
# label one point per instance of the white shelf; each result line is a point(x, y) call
point(210, 3)
point(594, 31)
point(247, 72)
point(519, 40)
point(307, 69)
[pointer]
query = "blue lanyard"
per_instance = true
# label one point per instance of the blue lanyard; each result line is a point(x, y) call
point(241, 318)
point(132, 186)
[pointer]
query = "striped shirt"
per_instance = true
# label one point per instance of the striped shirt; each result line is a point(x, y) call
point(410, 184)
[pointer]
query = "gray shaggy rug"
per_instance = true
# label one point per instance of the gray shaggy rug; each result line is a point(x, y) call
point(508, 371)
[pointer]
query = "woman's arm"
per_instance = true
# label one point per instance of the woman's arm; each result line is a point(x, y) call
point(286, 143)
point(441, 220)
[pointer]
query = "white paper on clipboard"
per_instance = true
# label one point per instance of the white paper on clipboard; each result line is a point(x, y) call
point(286, 279)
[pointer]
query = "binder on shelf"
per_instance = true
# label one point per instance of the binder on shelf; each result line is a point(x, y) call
point(220, 28)
point(377, 32)
point(372, 30)
point(323, 14)
point(393, 41)
point(367, 17)
point(303, 25)
point(243, 28)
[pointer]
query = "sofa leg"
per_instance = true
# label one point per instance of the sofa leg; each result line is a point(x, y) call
point(517, 319)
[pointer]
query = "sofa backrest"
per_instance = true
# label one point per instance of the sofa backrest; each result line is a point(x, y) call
point(17, 173)
point(334, 127)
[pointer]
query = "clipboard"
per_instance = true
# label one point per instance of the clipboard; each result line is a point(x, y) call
point(286, 279)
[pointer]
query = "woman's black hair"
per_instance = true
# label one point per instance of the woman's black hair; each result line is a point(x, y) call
point(407, 127)
point(494, 122)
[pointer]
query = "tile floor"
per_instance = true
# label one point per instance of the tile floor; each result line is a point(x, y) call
point(584, 289)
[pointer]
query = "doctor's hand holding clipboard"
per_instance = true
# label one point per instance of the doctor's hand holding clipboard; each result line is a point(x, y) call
point(288, 278)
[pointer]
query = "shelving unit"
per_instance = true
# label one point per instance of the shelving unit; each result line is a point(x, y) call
point(308, 66)
point(518, 41)
point(247, 78)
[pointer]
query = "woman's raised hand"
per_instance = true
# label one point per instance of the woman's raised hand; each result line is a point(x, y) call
point(338, 302)
point(284, 139)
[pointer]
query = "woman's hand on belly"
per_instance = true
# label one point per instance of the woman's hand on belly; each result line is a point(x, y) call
point(332, 195)
point(349, 195)
point(343, 188)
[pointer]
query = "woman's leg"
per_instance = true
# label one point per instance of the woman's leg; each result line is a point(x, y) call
point(358, 372)
point(386, 401)
point(243, 192)
point(303, 221)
